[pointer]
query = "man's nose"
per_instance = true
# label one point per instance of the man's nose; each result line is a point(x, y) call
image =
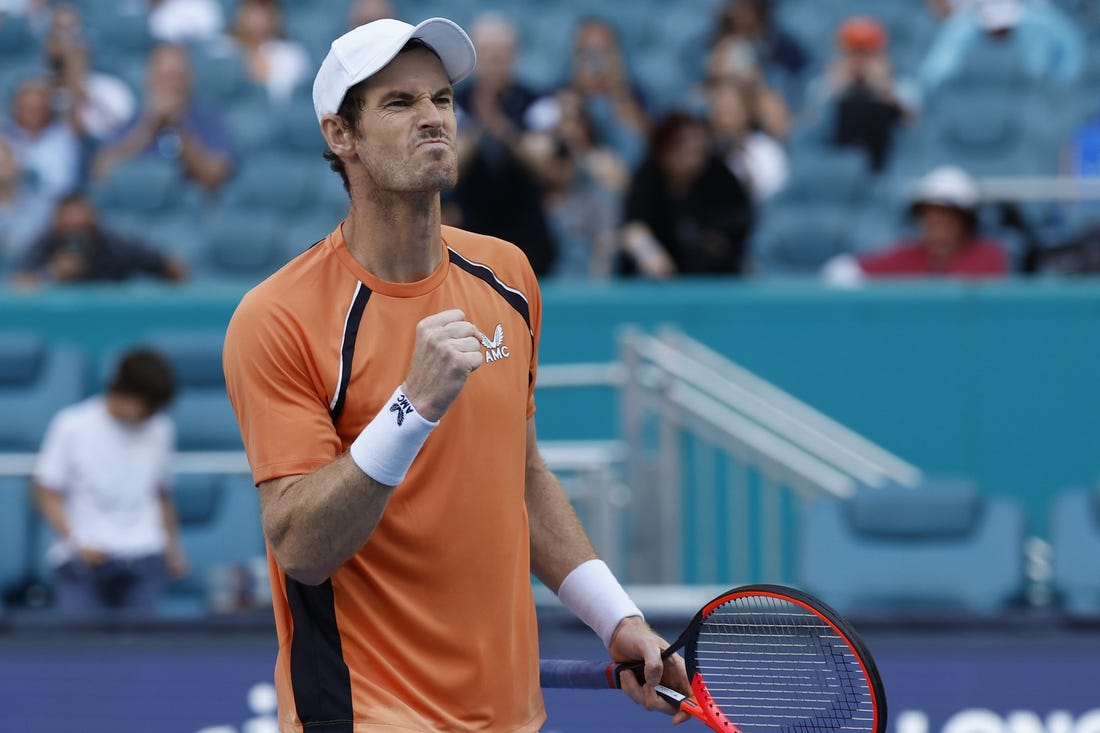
point(430, 116)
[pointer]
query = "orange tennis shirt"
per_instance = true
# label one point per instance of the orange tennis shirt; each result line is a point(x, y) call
point(431, 625)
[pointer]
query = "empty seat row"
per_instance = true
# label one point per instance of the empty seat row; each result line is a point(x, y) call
point(944, 549)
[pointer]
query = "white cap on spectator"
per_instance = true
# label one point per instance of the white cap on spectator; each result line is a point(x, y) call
point(999, 15)
point(947, 186)
point(363, 51)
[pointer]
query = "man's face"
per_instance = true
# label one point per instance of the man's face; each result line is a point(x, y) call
point(169, 72)
point(496, 55)
point(74, 217)
point(129, 409)
point(407, 129)
point(32, 107)
point(943, 229)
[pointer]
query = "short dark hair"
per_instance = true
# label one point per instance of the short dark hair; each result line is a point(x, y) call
point(145, 374)
point(351, 107)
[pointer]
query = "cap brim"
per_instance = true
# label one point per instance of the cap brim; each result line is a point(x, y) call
point(451, 44)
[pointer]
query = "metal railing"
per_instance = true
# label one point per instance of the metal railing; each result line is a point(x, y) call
point(722, 461)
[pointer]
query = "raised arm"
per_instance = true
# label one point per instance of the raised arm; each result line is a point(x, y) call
point(315, 522)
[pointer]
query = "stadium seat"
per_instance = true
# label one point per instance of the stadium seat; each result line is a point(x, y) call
point(16, 38)
point(241, 246)
point(115, 32)
point(36, 380)
point(1075, 542)
point(939, 548)
point(797, 239)
point(219, 527)
point(254, 126)
point(221, 79)
point(822, 173)
point(15, 520)
point(272, 185)
point(145, 185)
point(298, 133)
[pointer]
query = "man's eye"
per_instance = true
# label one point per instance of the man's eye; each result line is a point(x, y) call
point(443, 101)
point(397, 104)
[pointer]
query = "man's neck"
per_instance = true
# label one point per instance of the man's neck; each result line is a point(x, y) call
point(395, 237)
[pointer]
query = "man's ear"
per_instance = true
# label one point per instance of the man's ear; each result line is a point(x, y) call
point(338, 135)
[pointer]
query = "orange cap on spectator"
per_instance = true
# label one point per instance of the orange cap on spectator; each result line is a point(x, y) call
point(859, 33)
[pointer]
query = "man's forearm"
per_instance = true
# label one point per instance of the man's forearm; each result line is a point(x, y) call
point(316, 522)
point(558, 541)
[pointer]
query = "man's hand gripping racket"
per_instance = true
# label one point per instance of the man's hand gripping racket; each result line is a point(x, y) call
point(760, 659)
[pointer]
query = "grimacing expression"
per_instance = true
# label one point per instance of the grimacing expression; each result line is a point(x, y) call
point(407, 129)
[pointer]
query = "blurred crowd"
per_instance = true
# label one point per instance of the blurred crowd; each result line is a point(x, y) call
point(844, 139)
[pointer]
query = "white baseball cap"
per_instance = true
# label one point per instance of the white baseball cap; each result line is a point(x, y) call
point(947, 186)
point(364, 51)
point(998, 15)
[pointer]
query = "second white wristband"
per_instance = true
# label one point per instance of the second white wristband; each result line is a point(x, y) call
point(592, 592)
point(388, 444)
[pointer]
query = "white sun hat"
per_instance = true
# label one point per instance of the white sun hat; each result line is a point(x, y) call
point(363, 51)
point(947, 186)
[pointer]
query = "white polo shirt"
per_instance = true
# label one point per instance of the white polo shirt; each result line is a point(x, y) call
point(110, 474)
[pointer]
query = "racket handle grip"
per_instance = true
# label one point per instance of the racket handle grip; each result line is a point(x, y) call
point(576, 674)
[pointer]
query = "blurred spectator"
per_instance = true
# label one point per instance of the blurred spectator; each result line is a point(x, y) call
point(362, 12)
point(945, 206)
point(24, 213)
point(600, 77)
point(173, 126)
point(1050, 48)
point(42, 140)
point(859, 93)
point(184, 21)
point(686, 213)
point(749, 33)
point(98, 104)
point(102, 483)
point(497, 192)
point(733, 61)
point(275, 63)
point(757, 159)
point(564, 115)
point(77, 249)
point(583, 215)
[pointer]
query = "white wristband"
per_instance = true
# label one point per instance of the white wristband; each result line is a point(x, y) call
point(389, 443)
point(591, 592)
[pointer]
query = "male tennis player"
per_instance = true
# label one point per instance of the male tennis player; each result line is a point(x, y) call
point(383, 382)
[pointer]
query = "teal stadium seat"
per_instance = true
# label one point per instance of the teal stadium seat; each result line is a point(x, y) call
point(271, 185)
point(219, 526)
point(144, 186)
point(15, 519)
point(16, 38)
point(940, 549)
point(1075, 542)
point(36, 380)
point(241, 246)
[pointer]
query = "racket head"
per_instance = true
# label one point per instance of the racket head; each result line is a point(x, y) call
point(771, 659)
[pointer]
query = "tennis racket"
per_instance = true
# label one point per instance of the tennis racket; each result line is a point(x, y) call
point(761, 659)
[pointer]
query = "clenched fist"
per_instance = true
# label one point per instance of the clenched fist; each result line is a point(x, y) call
point(446, 352)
